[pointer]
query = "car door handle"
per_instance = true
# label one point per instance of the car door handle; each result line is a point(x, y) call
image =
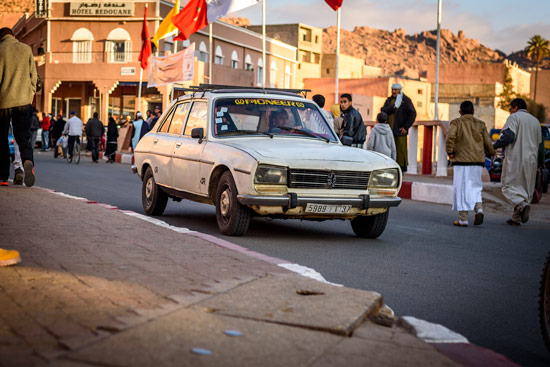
point(155, 141)
point(178, 145)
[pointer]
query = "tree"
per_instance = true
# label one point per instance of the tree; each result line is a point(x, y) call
point(537, 49)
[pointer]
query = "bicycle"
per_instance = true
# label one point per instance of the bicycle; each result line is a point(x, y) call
point(76, 152)
point(544, 302)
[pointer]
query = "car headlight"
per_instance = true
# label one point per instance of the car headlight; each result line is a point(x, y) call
point(384, 178)
point(270, 175)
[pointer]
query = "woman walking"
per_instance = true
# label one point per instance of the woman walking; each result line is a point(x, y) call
point(112, 137)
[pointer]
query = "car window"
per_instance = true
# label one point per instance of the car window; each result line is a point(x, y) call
point(248, 116)
point(197, 117)
point(178, 120)
point(165, 124)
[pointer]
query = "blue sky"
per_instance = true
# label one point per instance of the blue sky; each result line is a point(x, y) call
point(500, 24)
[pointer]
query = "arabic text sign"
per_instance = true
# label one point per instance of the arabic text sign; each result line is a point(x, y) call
point(105, 9)
point(40, 11)
point(174, 68)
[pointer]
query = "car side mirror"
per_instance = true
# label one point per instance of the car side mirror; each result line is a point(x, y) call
point(347, 140)
point(198, 133)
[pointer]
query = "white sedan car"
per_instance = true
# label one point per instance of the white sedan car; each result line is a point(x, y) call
point(263, 153)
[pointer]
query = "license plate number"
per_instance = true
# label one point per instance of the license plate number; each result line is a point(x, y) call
point(327, 209)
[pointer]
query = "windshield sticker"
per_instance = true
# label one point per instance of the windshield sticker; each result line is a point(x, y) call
point(224, 127)
point(223, 109)
point(219, 120)
point(219, 113)
point(272, 102)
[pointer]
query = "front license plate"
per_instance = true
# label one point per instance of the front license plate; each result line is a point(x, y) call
point(327, 209)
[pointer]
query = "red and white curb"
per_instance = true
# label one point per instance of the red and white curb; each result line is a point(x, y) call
point(430, 192)
point(124, 158)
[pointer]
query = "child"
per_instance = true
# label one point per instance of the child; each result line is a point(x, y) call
point(381, 137)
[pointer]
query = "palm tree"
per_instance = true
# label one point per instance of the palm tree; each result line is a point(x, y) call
point(537, 49)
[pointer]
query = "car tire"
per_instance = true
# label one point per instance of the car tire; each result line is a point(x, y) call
point(233, 218)
point(154, 200)
point(370, 226)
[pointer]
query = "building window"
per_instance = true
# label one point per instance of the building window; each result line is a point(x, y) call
point(316, 39)
point(316, 58)
point(118, 46)
point(219, 56)
point(419, 104)
point(287, 76)
point(421, 91)
point(203, 52)
point(273, 75)
point(234, 60)
point(306, 56)
point(119, 51)
point(260, 75)
point(82, 45)
point(82, 51)
point(328, 71)
point(248, 63)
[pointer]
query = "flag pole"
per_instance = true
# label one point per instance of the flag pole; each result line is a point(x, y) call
point(437, 52)
point(172, 91)
point(211, 46)
point(337, 52)
point(141, 74)
point(263, 44)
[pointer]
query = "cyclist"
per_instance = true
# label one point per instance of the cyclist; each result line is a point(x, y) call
point(73, 128)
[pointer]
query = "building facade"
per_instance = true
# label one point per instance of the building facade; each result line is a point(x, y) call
point(87, 56)
point(308, 41)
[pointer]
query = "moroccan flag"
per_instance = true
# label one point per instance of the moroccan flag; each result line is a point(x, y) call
point(146, 50)
point(197, 14)
point(167, 28)
point(334, 4)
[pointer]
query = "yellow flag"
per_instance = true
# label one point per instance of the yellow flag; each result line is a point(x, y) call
point(167, 28)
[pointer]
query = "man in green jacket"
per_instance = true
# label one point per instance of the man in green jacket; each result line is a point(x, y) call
point(17, 87)
point(467, 143)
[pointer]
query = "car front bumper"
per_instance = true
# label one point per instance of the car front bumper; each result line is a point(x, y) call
point(293, 201)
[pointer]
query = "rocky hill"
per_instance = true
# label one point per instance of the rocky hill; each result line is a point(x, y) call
point(402, 54)
point(398, 53)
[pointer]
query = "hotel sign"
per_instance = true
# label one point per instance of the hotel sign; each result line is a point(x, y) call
point(102, 9)
point(40, 11)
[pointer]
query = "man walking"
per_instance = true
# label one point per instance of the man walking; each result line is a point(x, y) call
point(73, 128)
point(352, 124)
point(94, 131)
point(57, 131)
point(17, 87)
point(521, 135)
point(401, 115)
point(467, 143)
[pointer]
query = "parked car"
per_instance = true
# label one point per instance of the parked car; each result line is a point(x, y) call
point(545, 136)
point(266, 153)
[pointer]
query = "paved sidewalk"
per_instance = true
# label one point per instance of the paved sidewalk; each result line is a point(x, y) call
point(99, 286)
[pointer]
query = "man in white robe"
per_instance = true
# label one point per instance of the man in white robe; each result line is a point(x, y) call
point(467, 142)
point(521, 135)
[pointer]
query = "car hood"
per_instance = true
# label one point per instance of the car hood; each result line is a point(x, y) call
point(293, 150)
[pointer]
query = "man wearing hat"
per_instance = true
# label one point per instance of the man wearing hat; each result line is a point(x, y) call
point(401, 115)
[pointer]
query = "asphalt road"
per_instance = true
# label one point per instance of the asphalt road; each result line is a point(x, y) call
point(479, 281)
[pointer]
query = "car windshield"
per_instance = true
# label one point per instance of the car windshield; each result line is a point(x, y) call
point(270, 116)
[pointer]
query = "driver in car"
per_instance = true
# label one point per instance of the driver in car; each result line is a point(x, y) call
point(279, 121)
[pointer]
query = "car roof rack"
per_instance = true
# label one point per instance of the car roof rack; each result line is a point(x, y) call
point(220, 88)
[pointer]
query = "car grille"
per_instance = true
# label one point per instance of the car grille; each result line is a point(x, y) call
point(349, 180)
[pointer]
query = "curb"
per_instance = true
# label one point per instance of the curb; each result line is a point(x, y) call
point(422, 191)
point(124, 158)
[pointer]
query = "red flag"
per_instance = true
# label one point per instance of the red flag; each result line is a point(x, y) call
point(190, 19)
point(146, 50)
point(334, 4)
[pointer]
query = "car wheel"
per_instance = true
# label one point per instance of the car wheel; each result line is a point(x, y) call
point(233, 217)
point(370, 226)
point(154, 200)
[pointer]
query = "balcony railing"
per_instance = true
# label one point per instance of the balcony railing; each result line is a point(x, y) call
point(93, 57)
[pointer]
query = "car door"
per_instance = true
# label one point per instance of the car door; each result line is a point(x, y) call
point(162, 149)
point(186, 163)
